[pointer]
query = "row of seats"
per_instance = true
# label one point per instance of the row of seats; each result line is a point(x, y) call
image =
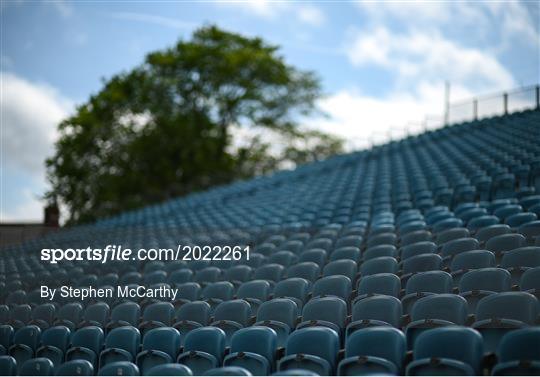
point(451, 350)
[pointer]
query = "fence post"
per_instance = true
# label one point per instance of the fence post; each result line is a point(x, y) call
point(475, 109)
point(505, 103)
point(537, 97)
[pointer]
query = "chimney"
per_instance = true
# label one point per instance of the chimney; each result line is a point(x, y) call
point(52, 215)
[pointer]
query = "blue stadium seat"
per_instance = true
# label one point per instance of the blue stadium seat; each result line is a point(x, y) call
point(159, 346)
point(192, 315)
point(318, 256)
point(170, 369)
point(203, 349)
point(255, 292)
point(379, 265)
point(416, 236)
point(284, 258)
point(296, 289)
point(227, 371)
point(43, 315)
point(499, 313)
point(69, 315)
point(95, 315)
point(121, 344)
point(518, 353)
point(436, 311)
point(311, 348)
point(124, 314)
point(423, 284)
point(238, 274)
point(54, 343)
point(378, 251)
point(279, 314)
point(25, 343)
point(452, 234)
point(378, 284)
point(37, 367)
point(470, 260)
point(231, 316)
point(6, 336)
point(8, 366)
point(159, 314)
point(86, 344)
point(325, 311)
point(530, 230)
point(447, 351)
point(335, 285)
point(477, 284)
point(417, 248)
point(517, 261)
point(530, 281)
point(345, 267)
point(76, 368)
point(346, 252)
point(119, 368)
point(305, 270)
point(373, 351)
point(254, 349)
point(373, 311)
point(485, 234)
point(181, 276)
point(271, 272)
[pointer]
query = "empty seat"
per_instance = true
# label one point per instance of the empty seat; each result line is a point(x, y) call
point(20, 315)
point(345, 267)
point(416, 236)
point(25, 343)
point(159, 346)
point(217, 292)
point(518, 353)
point(37, 367)
point(436, 311)
point(352, 240)
point(238, 274)
point(482, 222)
point(378, 284)
point(188, 292)
point(86, 344)
point(373, 351)
point(485, 234)
point(318, 256)
point(379, 251)
point(119, 368)
point(271, 272)
point(96, 315)
point(6, 336)
point(504, 242)
point(470, 260)
point(382, 239)
point(280, 314)
point(227, 371)
point(169, 369)
point(69, 315)
point(423, 284)
point(477, 284)
point(347, 252)
point(155, 277)
point(306, 270)
point(296, 289)
point(8, 366)
point(325, 311)
point(255, 292)
point(254, 349)
point(76, 368)
point(379, 265)
point(517, 261)
point(284, 258)
point(452, 234)
point(43, 315)
point(208, 275)
point(335, 285)
point(530, 230)
point(125, 314)
point(420, 263)
point(375, 311)
point(54, 343)
point(121, 344)
point(192, 315)
point(519, 219)
point(311, 348)
point(156, 315)
point(418, 248)
point(203, 349)
point(530, 281)
point(447, 351)
point(181, 276)
point(499, 313)
point(457, 246)
point(231, 316)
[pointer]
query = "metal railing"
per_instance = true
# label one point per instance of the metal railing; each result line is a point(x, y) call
point(523, 98)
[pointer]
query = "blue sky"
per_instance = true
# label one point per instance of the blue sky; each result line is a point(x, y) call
point(382, 65)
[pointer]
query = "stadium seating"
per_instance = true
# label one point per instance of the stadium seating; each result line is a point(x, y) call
point(419, 256)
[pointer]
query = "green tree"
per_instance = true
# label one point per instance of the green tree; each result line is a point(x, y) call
point(163, 129)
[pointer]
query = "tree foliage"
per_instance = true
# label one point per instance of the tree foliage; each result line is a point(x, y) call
point(163, 129)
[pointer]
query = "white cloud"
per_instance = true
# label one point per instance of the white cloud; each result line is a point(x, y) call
point(274, 10)
point(30, 114)
point(418, 56)
point(168, 22)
